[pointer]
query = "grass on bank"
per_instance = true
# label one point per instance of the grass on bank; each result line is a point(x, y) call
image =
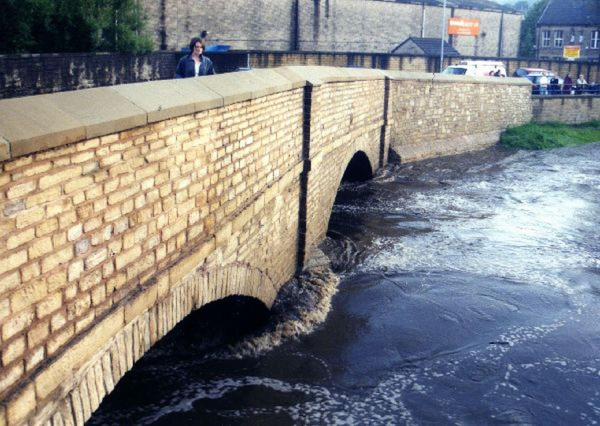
point(550, 135)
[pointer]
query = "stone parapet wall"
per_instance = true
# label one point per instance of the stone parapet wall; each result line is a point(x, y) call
point(124, 208)
point(567, 109)
point(178, 176)
point(437, 115)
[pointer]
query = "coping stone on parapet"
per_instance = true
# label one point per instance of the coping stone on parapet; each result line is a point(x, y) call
point(31, 124)
point(449, 78)
point(297, 80)
point(204, 98)
point(4, 149)
point(318, 75)
point(481, 79)
point(245, 85)
point(164, 99)
point(101, 110)
point(273, 82)
point(409, 75)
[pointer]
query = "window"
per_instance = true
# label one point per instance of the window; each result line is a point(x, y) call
point(558, 38)
point(595, 40)
point(580, 36)
point(545, 38)
point(572, 39)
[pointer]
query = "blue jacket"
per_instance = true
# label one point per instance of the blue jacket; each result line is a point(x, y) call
point(185, 68)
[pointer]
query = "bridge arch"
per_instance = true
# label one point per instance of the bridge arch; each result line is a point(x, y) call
point(359, 168)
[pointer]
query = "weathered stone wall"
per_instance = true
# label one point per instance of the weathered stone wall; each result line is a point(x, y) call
point(440, 115)
point(25, 75)
point(566, 109)
point(125, 208)
point(122, 209)
point(327, 25)
point(87, 226)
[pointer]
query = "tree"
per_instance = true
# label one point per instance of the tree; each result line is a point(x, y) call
point(527, 47)
point(72, 26)
point(521, 5)
point(125, 26)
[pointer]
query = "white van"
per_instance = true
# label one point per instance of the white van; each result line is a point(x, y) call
point(487, 68)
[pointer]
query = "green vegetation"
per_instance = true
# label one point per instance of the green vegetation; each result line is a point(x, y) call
point(550, 135)
point(527, 39)
point(49, 26)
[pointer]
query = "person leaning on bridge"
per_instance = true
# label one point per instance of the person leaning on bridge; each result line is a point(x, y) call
point(554, 87)
point(195, 64)
point(567, 84)
point(581, 84)
point(544, 84)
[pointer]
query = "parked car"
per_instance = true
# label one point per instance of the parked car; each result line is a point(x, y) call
point(523, 72)
point(483, 68)
point(534, 75)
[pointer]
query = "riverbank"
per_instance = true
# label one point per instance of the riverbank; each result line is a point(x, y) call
point(536, 136)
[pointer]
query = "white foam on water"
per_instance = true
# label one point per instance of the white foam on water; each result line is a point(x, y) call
point(527, 235)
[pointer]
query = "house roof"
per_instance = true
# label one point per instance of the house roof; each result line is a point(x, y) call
point(571, 12)
point(429, 46)
point(465, 4)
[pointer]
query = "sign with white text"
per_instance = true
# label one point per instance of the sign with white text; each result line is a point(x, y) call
point(464, 26)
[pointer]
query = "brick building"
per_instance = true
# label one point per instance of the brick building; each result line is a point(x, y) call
point(332, 25)
point(569, 23)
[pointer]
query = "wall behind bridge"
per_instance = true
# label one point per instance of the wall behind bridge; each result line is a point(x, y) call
point(326, 25)
point(566, 109)
point(25, 75)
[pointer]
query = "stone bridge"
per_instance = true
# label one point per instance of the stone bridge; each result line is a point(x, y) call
point(123, 209)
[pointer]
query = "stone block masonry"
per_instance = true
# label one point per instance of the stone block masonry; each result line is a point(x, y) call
point(440, 115)
point(123, 209)
point(327, 25)
point(567, 109)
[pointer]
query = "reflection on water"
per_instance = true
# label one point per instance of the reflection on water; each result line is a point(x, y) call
point(469, 294)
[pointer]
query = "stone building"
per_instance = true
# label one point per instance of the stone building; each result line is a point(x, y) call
point(331, 25)
point(569, 23)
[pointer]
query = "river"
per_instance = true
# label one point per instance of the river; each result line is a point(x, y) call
point(466, 292)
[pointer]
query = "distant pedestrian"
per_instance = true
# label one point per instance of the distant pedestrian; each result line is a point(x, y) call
point(195, 64)
point(544, 84)
point(567, 84)
point(581, 84)
point(554, 86)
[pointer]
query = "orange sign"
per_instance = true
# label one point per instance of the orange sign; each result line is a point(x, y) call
point(571, 52)
point(463, 26)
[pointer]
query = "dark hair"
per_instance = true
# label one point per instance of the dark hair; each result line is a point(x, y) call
point(194, 41)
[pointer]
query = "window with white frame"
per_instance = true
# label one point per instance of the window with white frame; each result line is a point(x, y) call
point(580, 36)
point(545, 38)
point(558, 38)
point(595, 40)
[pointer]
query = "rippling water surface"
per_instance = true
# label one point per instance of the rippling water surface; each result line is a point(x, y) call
point(469, 294)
